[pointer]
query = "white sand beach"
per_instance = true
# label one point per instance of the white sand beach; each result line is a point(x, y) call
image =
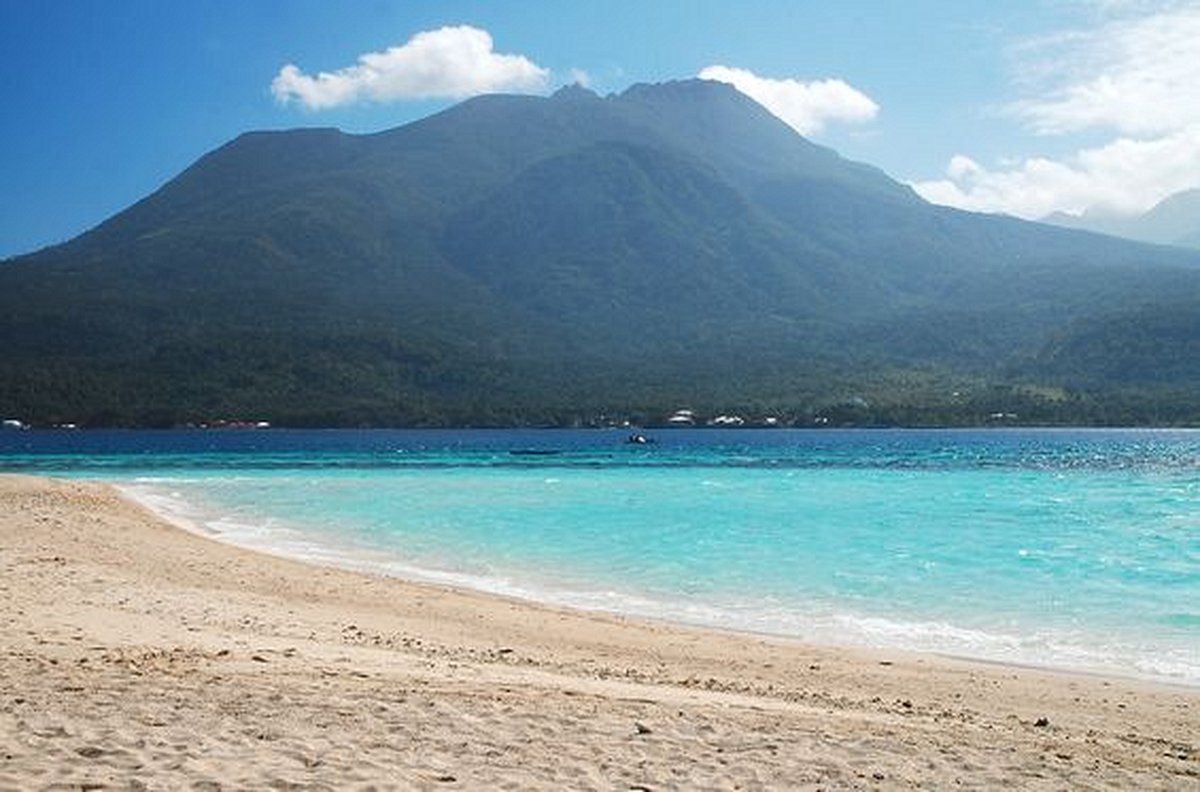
point(135, 654)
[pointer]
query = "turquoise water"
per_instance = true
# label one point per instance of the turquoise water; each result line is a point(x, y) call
point(1076, 549)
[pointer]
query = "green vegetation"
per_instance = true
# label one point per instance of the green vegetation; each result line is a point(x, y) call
point(577, 260)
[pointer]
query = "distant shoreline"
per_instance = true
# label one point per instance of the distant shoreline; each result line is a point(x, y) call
point(655, 427)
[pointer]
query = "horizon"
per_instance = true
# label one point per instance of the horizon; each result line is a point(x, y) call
point(1022, 127)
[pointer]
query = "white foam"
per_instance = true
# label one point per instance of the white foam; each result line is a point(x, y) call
point(818, 622)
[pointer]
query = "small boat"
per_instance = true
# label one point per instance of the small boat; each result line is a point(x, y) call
point(639, 439)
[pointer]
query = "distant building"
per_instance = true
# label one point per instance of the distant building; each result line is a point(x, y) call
point(682, 418)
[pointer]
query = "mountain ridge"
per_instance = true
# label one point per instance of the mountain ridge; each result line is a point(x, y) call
point(530, 259)
point(1175, 220)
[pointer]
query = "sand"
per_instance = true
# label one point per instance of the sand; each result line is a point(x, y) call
point(134, 654)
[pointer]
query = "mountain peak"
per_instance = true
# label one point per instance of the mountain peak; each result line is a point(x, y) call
point(1172, 221)
point(574, 92)
point(521, 258)
point(680, 90)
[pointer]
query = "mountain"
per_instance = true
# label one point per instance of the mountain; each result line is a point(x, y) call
point(521, 259)
point(1173, 221)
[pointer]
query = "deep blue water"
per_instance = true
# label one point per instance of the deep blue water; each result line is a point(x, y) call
point(1075, 548)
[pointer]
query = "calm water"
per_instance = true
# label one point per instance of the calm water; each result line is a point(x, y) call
point(1078, 549)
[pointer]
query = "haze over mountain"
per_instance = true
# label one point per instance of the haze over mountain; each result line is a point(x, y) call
point(524, 259)
point(1175, 220)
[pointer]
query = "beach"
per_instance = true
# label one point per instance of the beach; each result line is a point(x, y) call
point(136, 654)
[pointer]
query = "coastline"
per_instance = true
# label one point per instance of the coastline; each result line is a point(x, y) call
point(816, 623)
point(137, 650)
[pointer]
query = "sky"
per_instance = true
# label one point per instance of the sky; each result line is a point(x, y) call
point(1024, 107)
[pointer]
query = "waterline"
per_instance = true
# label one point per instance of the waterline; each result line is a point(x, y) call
point(1084, 566)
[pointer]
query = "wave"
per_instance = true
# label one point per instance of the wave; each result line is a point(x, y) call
point(827, 621)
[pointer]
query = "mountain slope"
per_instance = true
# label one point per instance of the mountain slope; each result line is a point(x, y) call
point(1173, 221)
point(544, 259)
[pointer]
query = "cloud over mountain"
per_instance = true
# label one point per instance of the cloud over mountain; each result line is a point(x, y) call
point(805, 106)
point(1126, 176)
point(447, 63)
point(1138, 76)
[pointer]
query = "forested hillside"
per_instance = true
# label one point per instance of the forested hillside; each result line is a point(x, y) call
point(519, 260)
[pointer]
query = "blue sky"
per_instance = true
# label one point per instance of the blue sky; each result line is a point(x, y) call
point(1023, 107)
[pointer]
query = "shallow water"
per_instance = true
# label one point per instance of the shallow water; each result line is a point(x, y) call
point(1065, 548)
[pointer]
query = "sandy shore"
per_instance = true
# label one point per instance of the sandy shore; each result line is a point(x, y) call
point(134, 654)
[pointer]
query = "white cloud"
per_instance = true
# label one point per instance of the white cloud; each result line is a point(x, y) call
point(451, 62)
point(1137, 76)
point(579, 77)
point(1125, 176)
point(805, 106)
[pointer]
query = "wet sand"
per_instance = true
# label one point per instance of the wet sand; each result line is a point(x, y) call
point(135, 654)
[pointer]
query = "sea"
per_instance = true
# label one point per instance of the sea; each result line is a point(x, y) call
point(1061, 548)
